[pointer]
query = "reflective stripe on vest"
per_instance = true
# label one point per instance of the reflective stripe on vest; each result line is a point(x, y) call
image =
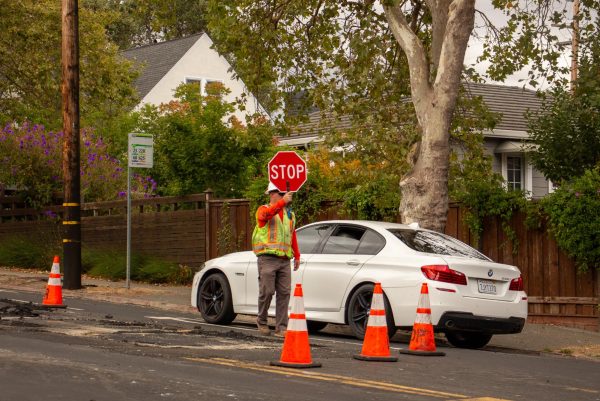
point(275, 237)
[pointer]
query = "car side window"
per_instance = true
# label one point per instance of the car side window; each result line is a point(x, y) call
point(371, 243)
point(309, 237)
point(344, 240)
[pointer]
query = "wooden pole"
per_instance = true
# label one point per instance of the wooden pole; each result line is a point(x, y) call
point(71, 157)
point(575, 45)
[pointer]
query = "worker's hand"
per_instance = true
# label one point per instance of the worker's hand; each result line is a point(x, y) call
point(296, 264)
point(287, 198)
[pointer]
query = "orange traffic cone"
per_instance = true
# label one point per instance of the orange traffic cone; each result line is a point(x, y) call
point(376, 345)
point(53, 295)
point(296, 349)
point(422, 341)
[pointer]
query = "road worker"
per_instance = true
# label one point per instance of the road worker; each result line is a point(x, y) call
point(274, 242)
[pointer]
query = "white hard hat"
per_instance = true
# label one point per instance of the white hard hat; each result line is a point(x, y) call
point(271, 188)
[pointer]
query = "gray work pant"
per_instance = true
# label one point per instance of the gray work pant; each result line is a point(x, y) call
point(274, 276)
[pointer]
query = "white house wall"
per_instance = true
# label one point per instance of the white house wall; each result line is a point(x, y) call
point(199, 62)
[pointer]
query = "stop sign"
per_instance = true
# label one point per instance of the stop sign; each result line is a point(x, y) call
point(287, 170)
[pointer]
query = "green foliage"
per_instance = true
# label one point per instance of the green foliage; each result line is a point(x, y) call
point(376, 199)
point(30, 64)
point(574, 216)
point(472, 182)
point(526, 40)
point(566, 131)
point(111, 265)
point(199, 146)
point(141, 22)
point(19, 251)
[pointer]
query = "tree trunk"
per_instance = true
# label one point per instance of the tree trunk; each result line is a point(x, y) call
point(425, 189)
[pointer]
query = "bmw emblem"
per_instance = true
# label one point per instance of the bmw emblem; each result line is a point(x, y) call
point(490, 273)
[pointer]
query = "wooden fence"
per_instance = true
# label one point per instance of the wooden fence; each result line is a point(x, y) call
point(191, 229)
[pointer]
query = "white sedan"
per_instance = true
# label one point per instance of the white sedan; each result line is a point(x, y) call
point(472, 298)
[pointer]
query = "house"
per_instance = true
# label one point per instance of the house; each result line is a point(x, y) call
point(166, 65)
point(505, 143)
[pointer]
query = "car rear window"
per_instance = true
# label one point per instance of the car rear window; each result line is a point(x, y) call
point(436, 243)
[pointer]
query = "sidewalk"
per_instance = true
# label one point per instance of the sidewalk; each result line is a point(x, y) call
point(534, 338)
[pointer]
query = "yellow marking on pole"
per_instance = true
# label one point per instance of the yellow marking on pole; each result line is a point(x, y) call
point(71, 204)
point(352, 381)
point(65, 241)
point(70, 222)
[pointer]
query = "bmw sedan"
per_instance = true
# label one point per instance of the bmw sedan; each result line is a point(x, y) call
point(472, 298)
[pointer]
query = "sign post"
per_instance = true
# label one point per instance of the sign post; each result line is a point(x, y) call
point(287, 171)
point(140, 154)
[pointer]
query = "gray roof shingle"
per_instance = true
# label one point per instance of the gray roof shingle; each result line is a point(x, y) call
point(509, 101)
point(157, 59)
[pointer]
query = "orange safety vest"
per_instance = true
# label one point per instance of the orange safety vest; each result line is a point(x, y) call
point(275, 237)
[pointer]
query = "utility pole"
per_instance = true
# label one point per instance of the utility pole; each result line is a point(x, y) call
point(575, 45)
point(71, 158)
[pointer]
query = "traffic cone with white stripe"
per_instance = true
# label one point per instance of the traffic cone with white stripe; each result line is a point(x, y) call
point(422, 341)
point(376, 345)
point(53, 295)
point(296, 348)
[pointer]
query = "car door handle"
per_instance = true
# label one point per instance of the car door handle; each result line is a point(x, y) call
point(302, 261)
point(353, 262)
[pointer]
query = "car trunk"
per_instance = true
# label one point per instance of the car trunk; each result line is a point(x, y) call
point(485, 280)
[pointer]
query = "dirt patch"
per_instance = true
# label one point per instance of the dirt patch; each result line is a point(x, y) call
point(585, 351)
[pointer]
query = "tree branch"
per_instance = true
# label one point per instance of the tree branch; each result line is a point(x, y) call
point(461, 19)
point(439, 20)
point(415, 54)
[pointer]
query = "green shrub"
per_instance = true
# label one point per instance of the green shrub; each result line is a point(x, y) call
point(111, 264)
point(22, 252)
point(574, 216)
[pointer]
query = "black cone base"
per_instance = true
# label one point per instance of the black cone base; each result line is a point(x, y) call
point(422, 353)
point(295, 365)
point(51, 306)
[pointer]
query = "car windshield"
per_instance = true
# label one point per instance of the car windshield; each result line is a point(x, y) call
point(432, 242)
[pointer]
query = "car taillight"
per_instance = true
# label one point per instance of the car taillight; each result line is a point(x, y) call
point(516, 284)
point(444, 273)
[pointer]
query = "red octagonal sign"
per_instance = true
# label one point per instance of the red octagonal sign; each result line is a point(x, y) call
point(287, 171)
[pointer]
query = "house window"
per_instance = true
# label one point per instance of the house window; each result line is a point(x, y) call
point(514, 172)
point(202, 83)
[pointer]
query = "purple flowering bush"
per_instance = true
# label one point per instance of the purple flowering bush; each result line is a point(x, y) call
point(31, 163)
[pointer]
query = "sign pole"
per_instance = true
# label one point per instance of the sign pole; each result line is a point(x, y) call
point(140, 154)
point(128, 268)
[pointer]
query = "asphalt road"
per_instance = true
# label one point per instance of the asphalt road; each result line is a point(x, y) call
point(103, 351)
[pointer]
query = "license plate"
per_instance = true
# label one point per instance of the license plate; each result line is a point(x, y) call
point(486, 287)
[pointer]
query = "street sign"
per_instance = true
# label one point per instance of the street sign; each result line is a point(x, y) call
point(287, 171)
point(141, 150)
point(141, 154)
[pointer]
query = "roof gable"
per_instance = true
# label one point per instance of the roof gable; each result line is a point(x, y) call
point(157, 59)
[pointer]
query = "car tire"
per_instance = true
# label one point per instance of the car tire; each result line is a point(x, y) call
point(314, 326)
point(461, 339)
point(214, 300)
point(357, 312)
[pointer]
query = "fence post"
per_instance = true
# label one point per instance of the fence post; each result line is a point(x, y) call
point(207, 239)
